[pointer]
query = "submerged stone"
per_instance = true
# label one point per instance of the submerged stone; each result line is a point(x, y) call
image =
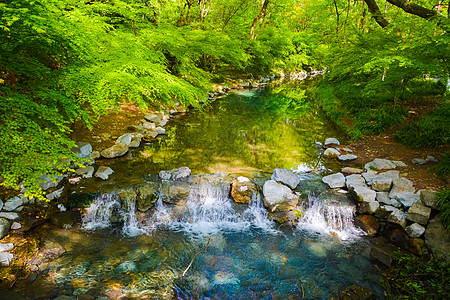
point(175, 174)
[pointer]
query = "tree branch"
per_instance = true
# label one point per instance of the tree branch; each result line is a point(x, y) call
point(376, 13)
point(411, 8)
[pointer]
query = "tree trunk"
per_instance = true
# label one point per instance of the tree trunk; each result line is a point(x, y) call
point(414, 9)
point(258, 17)
point(376, 13)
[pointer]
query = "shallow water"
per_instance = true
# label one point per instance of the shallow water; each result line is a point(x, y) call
point(246, 133)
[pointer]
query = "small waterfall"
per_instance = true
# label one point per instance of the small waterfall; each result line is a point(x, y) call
point(257, 214)
point(100, 212)
point(329, 216)
point(131, 226)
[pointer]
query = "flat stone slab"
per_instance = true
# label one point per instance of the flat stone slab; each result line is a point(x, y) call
point(13, 203)
point(286, 177)
point(6, 247)
point(381, 183)
point(365, 194)
point(354, 180)
point(12, 216)
point(408, 199)
point(350, 170)
point(334, 180)
point(347, 157)
point(369, 175)
point(380, 164)
point(438, 238)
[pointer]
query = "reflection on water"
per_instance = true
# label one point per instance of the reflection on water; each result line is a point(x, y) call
point(243, 133)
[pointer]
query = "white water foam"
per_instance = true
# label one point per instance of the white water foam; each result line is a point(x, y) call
point(100, 212)
point(330, 217)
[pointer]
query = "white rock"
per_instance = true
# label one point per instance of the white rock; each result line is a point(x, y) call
point(331, 153)
point(286, 177)
point(6, 247)
point(103, 172)
point(415, 230)
point(331, 141)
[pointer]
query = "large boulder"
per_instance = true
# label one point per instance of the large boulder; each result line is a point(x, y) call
point(429, 198)
point(286, 176)
point(278, 197)
point(419, 213)
point(49, 181)
point(400, 186)
point(335, 180)
point(147, 196)
point(242, 190)
point(175, 174)
point(380, 164)
point(116, 150)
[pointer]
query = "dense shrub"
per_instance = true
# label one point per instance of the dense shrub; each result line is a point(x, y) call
point(444, 205)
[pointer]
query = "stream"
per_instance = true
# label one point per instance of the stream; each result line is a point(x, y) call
point(118, 251)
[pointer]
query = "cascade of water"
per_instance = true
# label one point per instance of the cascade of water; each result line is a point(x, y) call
point(99, 213)
point(131, 226)
point(329, 217)
point(257, 214)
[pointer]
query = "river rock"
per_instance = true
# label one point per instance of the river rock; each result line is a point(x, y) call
point(429, 198)
point(419, 213)
point(13, 203)
point(415, 230)
point(6, 247)
point(286, 177)
point(82, 149)
point(364, 194)
point(116, 150)
point(55, 194)
point(4, 227)
point(125, 139)
point(407, 199)
point(379, 164)
point(367, 223)
point(400, 186)
point(334, 180)
point(12, 216)
point(5, 258)
point(318, 144)
point(278, 197)
point(127, 266)
point(149, 135)
point(175, 174)
point(368, 207)
point(381, 183)
point(400, 238)
point(86, 172)
point(432, 159)
point(354, 180)
point(331, 153)
point(438, 238)
point(419, 161)
point(399, 163)
point(397, 217)
point(369, 175)
point(148, 196)
point(331, 141)
point(160, 130)
point(242, 191)
point(47, 181)
point(174, 191)
point(347, 157)
point(383, 197)
point(136, 138)
point(103, 172)
point(16, 226)
point(351, 171)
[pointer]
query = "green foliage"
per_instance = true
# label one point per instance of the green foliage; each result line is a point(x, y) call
point(443, 166)
point(431, 130)
point(413, 277)
point(443, 204)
